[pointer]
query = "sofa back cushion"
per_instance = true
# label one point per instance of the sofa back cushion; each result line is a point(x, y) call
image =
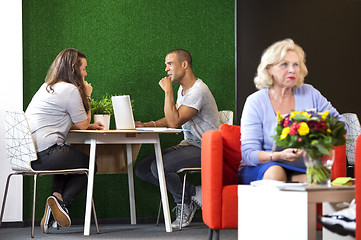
point(231, 136)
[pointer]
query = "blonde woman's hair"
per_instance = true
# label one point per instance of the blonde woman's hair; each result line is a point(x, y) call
point(274, 55)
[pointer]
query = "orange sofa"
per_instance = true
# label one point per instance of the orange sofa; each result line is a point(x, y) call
point(358, 186)
point(221, 156)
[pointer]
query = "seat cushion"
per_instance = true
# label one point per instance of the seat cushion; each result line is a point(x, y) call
point(231, 135)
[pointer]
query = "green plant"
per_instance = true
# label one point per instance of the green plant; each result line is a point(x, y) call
point(102, 106)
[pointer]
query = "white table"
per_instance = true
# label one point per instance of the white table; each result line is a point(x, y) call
point(266, 212)
point(128, 137)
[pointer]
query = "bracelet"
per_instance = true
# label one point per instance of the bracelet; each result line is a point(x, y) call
point(270, 156)
point(155, 125)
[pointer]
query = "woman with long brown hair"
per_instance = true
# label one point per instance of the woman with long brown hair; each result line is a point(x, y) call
point(62, 103)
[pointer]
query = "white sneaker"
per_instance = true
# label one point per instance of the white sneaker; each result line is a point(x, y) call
point(342, 222)
point(197, 199)
point(188, 213)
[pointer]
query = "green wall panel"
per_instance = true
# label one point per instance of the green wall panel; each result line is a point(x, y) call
point(125, 43)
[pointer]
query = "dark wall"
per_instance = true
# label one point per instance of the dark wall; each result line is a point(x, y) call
point(125, 43)
point(329, 33)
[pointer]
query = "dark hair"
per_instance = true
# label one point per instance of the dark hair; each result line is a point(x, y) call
point(66, 68)
point(182, 55)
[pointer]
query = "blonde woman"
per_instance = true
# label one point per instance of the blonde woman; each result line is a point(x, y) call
point(280, 80)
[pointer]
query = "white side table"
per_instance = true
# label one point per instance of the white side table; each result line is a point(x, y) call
point(268, 212)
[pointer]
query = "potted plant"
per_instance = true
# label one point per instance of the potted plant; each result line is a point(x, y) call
point(102, 110)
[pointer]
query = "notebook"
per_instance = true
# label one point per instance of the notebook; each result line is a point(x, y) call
point(123, 112)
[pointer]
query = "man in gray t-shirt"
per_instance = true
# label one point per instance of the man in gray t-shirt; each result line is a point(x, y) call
point(196, 111)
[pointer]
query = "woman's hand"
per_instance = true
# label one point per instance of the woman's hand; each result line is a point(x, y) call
point(96, 126)
point(88, 89)
point(291, 154)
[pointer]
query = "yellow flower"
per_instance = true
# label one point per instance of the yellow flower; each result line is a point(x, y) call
point(284, 133)
point(303, 129)
point(325, 114)
point(279, 118)
point(293, 114)
point(306, 114)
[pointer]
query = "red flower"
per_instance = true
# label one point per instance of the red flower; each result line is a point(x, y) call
point(314, 125)
point(293, 128)
point(299, 139)
point(323, 124)
point(286, 121)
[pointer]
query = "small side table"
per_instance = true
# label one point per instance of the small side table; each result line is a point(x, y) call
point(285, 212)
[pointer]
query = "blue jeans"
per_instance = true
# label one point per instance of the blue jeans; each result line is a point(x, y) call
point(59, 157)
point(174, 158)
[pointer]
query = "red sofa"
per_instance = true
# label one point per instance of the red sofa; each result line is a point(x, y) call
point(221, 156)
point(358, 186)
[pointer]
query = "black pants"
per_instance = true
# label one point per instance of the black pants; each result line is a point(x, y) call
point(59, 157)
point(174, 158)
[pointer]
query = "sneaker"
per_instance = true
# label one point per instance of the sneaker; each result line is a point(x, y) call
point(60, 212)
point(342, 222)
point(197, 198)
point(188, 213)
point(47, 220)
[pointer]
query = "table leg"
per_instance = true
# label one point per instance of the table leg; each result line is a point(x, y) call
point(89, 194)
point(133, 218)
point(162, 186)
point(312, 235)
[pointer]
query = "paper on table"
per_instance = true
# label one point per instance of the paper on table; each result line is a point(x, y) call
point(340, 181)
point(275, 184)
point(160, 129)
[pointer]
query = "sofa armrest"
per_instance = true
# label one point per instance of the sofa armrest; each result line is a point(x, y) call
point(339, 164)
point(212, 178)
point(358, 185)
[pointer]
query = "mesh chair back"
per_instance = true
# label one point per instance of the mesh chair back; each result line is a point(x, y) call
point(352, 134)
point(20, 149)
point(226, 116)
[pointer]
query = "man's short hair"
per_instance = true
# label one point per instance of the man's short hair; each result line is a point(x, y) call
point(182, 55)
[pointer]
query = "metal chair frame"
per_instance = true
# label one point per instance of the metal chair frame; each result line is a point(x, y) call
point(42, 173)
point(185, 171)
point(21, 152)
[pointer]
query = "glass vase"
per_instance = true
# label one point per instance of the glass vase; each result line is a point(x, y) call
point(318, 169)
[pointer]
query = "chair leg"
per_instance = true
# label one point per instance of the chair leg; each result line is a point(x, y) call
point(5, 196)
point(160, 208)
point(95, 217)
point(216, 236)
point(34, 199)
point(182, 208)
point(210, 234)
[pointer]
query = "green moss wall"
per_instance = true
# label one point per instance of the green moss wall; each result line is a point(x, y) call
point(125, 43)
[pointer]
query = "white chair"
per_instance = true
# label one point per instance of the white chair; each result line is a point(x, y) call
point(352, 134)
point(225, 117)
point(20, 151)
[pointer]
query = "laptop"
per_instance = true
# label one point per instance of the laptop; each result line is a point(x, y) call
point(123, 112)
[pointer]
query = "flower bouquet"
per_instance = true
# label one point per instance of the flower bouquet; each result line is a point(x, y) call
point(315, 133)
